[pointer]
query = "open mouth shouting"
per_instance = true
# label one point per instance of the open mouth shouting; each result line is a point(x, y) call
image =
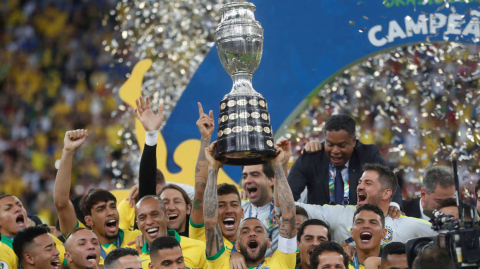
point(361, 198)
point(55, 262)
point(229, 223)
point(92, 257)
point(365, 237)
point(153, 232)
point(21, 221)
point(336, 160)
point(252, 192)
point(252, 245)
point(111, 225)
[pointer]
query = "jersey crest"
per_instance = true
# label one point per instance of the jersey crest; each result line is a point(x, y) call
point(388, 237)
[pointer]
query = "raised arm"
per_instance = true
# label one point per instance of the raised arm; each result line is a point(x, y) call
point(65, 210)
point(283, 197)
point(206, 125)
point(147, 184)
point(213, 234)
point(286, 146)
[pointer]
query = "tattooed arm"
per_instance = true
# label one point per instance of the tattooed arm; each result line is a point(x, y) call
point(205, 125)
point(283, 198)
point(213, 234)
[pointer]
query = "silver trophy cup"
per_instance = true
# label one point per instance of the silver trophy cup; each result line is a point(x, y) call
point(244, 131)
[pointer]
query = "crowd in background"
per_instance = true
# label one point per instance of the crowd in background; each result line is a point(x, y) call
point(55, 76)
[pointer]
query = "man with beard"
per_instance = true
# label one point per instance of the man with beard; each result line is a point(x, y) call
point(82, 249)
point(99, 206)
point(13, 218)
point(328, 255)
point(376, 186)
point(252, 235)
point(257, 181)
point(367, 231)
point(167, 253)
point(152, 221)
point(36, 249)
point(311, 233)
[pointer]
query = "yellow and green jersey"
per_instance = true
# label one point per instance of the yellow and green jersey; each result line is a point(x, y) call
point(127, 216)
point(351, 266)
point(193, 251)
point(120, 242)
point(8, 259)
point(278, 260)
point(197, 231)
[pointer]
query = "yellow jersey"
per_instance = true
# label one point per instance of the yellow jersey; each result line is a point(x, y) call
point(127, 216)
point(351, 266)
point(197, 231)
point(120, 194)
point(278, 260)
point(8, 259)
point(120, 242)
point(193, 251)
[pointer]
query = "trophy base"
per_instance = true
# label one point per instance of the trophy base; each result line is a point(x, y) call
point(241, 158)
point(244, 132)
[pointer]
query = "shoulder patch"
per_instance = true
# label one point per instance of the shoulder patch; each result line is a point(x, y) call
point(4, 265)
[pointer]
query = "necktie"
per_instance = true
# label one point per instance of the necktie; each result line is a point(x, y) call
point(339, 186)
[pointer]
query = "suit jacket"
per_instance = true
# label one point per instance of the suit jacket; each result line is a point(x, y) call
point(411, 208)
point(311, 171)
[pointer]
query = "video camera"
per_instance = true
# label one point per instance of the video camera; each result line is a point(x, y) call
point(460, 238)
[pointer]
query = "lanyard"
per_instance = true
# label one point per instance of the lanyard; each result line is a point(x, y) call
point(117, 242)
point(331, 185)
point(356, 263)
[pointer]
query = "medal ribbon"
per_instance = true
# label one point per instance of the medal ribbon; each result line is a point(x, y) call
point(331, 185)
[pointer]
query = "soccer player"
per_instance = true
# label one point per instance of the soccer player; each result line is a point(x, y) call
point(166, 252)
point(36, 249)
point(99, 206)
point(310, 234)
point(152, 221)
point(252, 235)
point(230, 211)
point(176, 200)
point(123, 258)
point(82, 249)
point(328, 255)
point(376, 186)
point(368, 230)
point(13, 218)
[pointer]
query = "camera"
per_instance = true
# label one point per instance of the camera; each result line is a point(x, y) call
point(460, 238)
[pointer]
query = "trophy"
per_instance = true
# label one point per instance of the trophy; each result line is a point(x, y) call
point(244, 131)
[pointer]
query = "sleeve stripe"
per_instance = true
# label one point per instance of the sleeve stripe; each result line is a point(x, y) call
point(216, 256)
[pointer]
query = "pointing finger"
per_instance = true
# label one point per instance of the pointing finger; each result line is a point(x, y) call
point(200, 109)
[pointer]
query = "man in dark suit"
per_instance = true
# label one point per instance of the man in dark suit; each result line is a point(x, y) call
point(438, 184)
point(338, 163)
